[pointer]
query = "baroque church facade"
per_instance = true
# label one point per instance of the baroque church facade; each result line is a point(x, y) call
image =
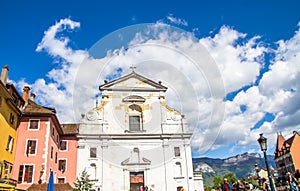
point(133, 139)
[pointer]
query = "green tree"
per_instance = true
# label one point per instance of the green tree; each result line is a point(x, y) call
point(207, 188)
point(83, 183)
point(217, 182)
point(230, 177)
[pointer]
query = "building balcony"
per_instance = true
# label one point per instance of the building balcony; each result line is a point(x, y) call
point(8, 181)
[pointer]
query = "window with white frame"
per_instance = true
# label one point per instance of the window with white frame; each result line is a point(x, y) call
point(10, 143)
point(31, 147)
point(25, 174)
point(34, 124)
point(61, 180)
point(62, 165)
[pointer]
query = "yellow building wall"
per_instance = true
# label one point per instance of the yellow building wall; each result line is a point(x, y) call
point(7, 129)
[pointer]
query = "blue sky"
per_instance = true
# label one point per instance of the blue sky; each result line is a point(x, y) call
point(246, 27)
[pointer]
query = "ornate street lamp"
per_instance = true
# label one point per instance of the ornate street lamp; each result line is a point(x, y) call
point(263, 146)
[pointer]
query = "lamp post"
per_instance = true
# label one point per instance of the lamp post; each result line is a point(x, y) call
point(263, 146)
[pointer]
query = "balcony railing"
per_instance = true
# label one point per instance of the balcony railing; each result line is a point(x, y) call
point(9, 181)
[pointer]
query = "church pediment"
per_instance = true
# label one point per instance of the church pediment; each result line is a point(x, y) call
point(132, 82)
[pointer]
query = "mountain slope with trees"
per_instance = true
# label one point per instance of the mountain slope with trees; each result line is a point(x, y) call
point(241, 166)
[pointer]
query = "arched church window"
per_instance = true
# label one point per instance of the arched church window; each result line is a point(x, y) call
point(178, 169)
point(135, 118)
point(134, 123)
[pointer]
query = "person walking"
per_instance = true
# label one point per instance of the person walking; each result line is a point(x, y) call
point(226, 185)
point(264, 185)
point(240, 186)
point(292, 181)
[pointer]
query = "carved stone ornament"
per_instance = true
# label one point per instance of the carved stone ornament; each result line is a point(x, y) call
point(175, 117)
point(92, 115)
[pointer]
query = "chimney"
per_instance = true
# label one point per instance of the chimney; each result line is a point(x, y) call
point(32, 96)
point(26, 90)
point(4, 74)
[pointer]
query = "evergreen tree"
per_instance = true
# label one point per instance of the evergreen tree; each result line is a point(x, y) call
point(83, 183)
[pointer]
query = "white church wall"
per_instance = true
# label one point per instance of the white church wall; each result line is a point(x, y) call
point(121, 152)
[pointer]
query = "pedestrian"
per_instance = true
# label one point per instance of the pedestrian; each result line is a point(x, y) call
point(239, 186)
point(264, 186)
point(251, 187)
point(226, 185)
point(246, 186)
point(292, 181)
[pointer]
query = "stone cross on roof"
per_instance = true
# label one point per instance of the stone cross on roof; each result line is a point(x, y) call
point(132, 67)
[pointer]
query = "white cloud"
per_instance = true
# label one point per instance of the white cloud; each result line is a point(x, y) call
point(205, 70)
point(177, 21)
point(239, 62)
point(281, 84)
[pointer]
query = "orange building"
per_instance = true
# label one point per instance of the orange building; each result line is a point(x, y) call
point(287, 155)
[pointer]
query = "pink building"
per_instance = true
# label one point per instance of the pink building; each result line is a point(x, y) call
point(67, 155)
point(42, 146)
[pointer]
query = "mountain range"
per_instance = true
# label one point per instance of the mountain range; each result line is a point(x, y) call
point(241, 165)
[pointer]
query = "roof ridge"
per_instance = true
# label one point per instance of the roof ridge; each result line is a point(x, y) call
point(133, 74)
point(33, 107)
